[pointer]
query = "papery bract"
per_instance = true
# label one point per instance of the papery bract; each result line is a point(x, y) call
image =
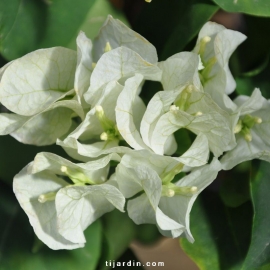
point(31, 83)
point(153, 175)
point(60, 212)
point(252, 131)
point(118, 34)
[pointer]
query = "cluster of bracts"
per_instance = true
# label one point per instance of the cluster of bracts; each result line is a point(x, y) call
point(89, 102)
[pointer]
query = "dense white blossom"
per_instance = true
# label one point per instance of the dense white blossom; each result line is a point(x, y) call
point(90, 103)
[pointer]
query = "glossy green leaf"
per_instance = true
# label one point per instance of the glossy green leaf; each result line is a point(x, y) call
point(221, 233)
point(63, 21)
point(259, 40)
point(259, 251)
point(150, 20)
point(234, 189)
point(29, 25)
point(178, 28)
point(187, 27)
point(21, 250)
point(119, 231)
point(246, 85)
point(255, 63)
point(21, 26)
point(258, 7)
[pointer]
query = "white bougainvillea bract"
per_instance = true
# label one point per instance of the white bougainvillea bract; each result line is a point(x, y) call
point(91, 103)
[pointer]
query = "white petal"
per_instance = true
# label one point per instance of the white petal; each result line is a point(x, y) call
point(120, 63)
point(141, 211)
point(45, 127)
point(225, 44)
point(197, 154)
point(96, 170)
point(84, 65)
point(256, 149)
point(78, 207)
point(3, 69)
point(118, 34)
point(167, 124)
point(124, 113)
point(42, 216)
point(32, 83)
point(180, 70)
point(166, 223)
point(250, 104)
point(157, 106)
point(9, 122)
point(145, 177)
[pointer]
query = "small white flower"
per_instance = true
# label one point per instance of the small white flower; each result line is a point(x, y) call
point(58, 211)
point(252, 131)
point(163, 203)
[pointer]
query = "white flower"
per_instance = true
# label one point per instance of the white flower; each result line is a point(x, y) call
point(215, 45)
point(163, 203)
point(191, 109)
point(33, 87)
point(181, 70)
point(99, 134)
point(118, 65)
point(84, 67)
point(252, 131)
point(59, 212)
point(117, 34)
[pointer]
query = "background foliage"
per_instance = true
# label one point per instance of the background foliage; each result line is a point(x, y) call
point(230, 220)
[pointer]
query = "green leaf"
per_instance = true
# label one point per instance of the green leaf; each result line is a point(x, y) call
point(150, 25)
point(27, 25)
point(234, 189)
point(63, 21)
point(222, 234)
point(178, 28)
point(259, 251)
point(259, 40)
point(119, 231)
point(21, 26)
point(255, 63)
point(246, 85)
point(187, 27)
point(258, 7)
point(147, 233)
point(21, 250)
